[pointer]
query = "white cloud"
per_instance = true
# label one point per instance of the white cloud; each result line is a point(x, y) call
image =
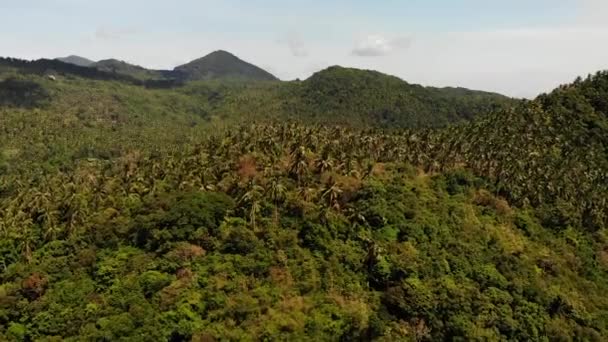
point(378, 45)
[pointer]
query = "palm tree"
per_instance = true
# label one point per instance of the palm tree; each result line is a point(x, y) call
point(253, 197)
point(277, 192)
point(331, 194)
point(299, 165)
point(324, 164)
point(307, 194)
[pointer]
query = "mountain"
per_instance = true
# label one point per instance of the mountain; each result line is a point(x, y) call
point(124, 68)
point(43, 67)
point(221, 65)
point(337, 95)
point(76, 60)
point(385, 100)
point(364, 98)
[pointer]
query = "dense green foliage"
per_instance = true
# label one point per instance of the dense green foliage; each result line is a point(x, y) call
point(143, 214)
point(18, 92)
point(371, 99)
point(359, 98)
point(551, 153)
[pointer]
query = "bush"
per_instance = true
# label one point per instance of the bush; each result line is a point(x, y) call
point(17, 332)
point(22, 93)
point(153, 281)
point(193, 217)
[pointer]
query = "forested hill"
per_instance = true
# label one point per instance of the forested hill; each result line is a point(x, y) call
point(349, 97)
point(550, 153)
point(133, 213)
point(376, 99)
point(42, 67)
point(362, 98)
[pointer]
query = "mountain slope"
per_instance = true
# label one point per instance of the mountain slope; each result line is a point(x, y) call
point(351, 97)
point(76, 60)
point(362, 98)
point(390, 101)
point(54, 66)
point(221, 65)
point(124, 68)
point(550, 153)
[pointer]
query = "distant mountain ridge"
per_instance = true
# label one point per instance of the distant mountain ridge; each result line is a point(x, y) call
point(216, 65)
point(336, 95)
point(122, 67)
point(76, 60)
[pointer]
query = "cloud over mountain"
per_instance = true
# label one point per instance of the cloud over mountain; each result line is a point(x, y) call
point(378, 45)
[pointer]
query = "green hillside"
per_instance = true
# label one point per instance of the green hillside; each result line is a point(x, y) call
point(349, 97)
point(387, 101)
point(288, 211)
point(360, 98)
point(550, 153)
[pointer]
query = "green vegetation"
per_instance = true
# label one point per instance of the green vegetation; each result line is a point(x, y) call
point(21, 92)
point(191, 214)
point(335, 96)
point(364, 98)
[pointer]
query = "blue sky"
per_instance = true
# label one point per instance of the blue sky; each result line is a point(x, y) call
point(517, 47)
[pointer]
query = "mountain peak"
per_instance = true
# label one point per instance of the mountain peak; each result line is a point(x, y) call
point(221, 53)
point(222, 64)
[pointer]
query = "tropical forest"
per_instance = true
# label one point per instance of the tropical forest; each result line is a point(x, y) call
point(214, 202)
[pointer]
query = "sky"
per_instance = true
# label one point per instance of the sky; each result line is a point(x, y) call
point(516, 47)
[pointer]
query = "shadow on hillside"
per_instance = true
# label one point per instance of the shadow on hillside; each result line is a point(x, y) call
point(22, 93)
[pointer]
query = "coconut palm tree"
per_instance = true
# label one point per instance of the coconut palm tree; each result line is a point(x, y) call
point(252, 198)
point(331, 194)
point(277, 192)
